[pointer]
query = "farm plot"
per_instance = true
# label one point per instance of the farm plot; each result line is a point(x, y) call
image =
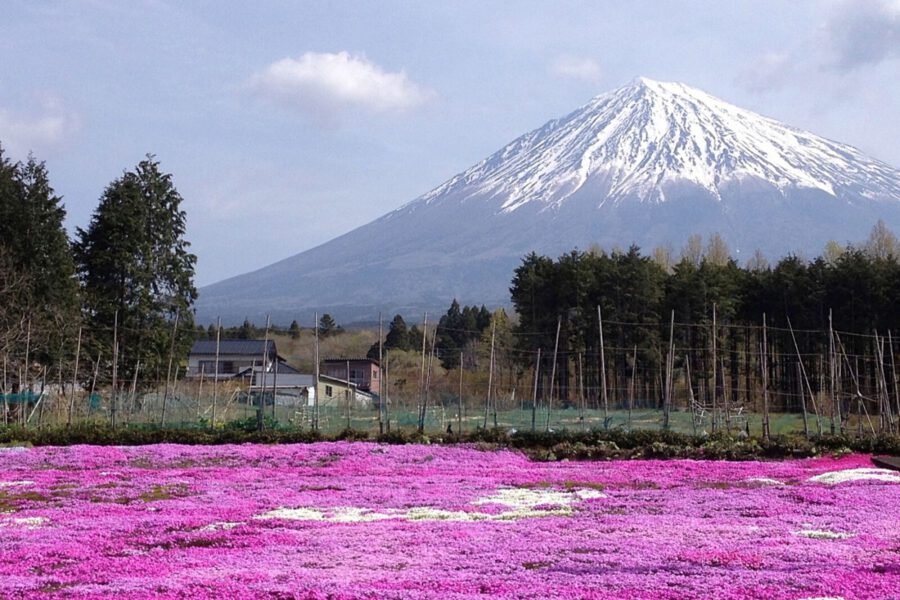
point(361, 520)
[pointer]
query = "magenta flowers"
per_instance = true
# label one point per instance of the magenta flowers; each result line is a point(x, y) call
point(360, 520)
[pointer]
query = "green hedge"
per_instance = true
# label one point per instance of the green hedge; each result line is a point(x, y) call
point(556, 445)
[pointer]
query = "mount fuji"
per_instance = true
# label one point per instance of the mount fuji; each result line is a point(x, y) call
point(650, 164)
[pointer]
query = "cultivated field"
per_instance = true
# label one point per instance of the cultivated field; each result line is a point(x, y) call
point(361, 520)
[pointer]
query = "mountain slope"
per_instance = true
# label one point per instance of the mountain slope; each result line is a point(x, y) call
point(650, 163)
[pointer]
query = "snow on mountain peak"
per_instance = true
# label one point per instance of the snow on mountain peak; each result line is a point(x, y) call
point(637, 140)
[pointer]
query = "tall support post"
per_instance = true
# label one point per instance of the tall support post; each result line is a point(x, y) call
point(670, 367)
point(113, 400)
point(419, 404)
point(387, 390)
point(603, 371)
point(316, 382)
point(553, 371)
point(631, 386)
point(537, 373)
point(137, 368)
point(162, 420)
point(27, 367)
point(74, 379)
point(348, 394)
point(802, 391)
point(690, 384)
point(459, 413)
point(764, 365)
point(715, 375)
point(260, 415)
point(381, 375)
point(836, 423)
point(94, 378)
point(428, 382)
point(805, 379)
point(5, 393)
point(894, 380)
point(581, 389)
point(216, 376)
point(487, 400)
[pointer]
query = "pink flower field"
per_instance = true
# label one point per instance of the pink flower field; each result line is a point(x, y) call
point(361, 520)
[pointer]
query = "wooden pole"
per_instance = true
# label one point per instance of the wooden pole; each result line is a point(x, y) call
point(537, 372)
point(216, 376)
point(670, 366)
point(260, 414)
point(137, 368)
point(764, 365)
point(805, 379)
point(894, 380)
point(387, 388)
point(631, 386)
point(603, 371)
point(487, 400)
point(27, 366)
point(836, 424)
point(380, 374)
point(94, 379)
point(74, 379)
point(348, 394)
point(316, 383)
point(169, 371)
point(115, 371)
point(428, 382)
point(553, 371)
point(715, 378)
point(421, 390)
point(802, 399)
point(459, 429)
point(581, 389)
point(690, 384)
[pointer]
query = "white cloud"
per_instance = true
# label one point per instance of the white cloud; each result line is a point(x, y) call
point(325, 83)
point(768, 72)
point(40, 132)
point(861, 33)
point(577, 67)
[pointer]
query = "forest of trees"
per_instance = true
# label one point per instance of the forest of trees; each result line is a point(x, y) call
point(113, 302)
point(827, 311)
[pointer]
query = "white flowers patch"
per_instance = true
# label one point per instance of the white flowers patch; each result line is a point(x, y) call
point(521, 504)
point(765, 481)
point(861, 474)
point(5, 484)
point(818, 534)
point(524, 498)
point(220, 525)
point(26, 522)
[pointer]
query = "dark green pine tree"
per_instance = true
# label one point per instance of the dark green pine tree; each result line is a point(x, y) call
point(294, 330)
point(397, 338)
point(327, 326)
point(37, 247)
point(135, 267)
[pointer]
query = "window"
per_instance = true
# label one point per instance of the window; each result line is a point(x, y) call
point(329, 392)
point(375, 374)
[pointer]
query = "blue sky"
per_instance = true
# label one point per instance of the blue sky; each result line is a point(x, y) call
point(286, 124)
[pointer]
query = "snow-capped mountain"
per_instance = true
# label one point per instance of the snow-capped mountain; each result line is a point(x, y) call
point(650, 163)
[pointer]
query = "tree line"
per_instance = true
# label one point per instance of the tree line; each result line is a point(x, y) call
point(114, 301)
point(709, 312)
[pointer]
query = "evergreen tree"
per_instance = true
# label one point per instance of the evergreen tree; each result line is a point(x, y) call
point(37, 247)
point(136, 269)
point(294, 330)
point(327, 326)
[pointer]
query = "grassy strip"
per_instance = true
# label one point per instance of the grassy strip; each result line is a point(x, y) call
point(557, 445)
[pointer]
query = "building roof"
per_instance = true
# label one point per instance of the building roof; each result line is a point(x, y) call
point(343, 359)
point(282, 369)
point(293, 380)
point(232, 347)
